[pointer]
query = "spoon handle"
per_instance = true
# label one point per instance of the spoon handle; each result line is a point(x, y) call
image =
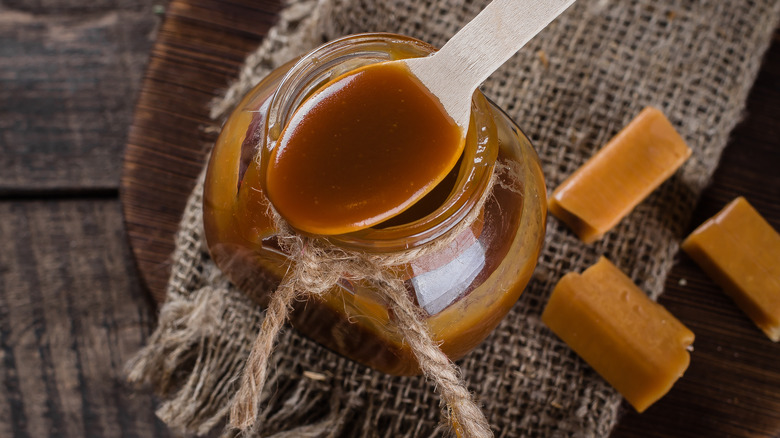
point(483, 45)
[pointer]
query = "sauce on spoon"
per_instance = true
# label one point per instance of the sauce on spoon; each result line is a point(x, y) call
point(361, 150)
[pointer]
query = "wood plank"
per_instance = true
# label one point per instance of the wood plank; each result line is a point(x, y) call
point(72, 7)
point(199, 51)
point(732, 387)
point(71, 314)
point(69, 76)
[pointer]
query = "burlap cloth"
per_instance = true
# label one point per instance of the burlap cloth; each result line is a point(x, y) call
point(571, 89)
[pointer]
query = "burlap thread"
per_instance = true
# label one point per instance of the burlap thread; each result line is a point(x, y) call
point(571, 89)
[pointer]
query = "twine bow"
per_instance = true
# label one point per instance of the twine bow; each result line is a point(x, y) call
point(317, 266)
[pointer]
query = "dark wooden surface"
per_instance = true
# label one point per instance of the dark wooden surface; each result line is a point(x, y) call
point(69, 74)
point(73, 308)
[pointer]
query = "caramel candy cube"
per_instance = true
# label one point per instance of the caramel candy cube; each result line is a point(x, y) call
point(615, 180)
point(634, 343)
point(740, 251)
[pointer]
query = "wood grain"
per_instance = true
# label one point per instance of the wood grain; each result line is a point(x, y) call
point(200, 48)
point(69, 76)
point(72, 312)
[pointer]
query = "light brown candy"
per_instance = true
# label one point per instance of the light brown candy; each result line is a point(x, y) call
point(634, 343)
point(615, 180)
point(740, 251)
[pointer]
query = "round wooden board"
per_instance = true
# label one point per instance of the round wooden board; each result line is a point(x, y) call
point(732, 387)
point(198, 52)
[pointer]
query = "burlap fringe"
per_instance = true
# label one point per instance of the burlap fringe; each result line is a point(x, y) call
point(195, 369)
point(203, 401)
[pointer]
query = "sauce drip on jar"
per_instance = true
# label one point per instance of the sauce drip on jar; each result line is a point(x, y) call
point(363, 149)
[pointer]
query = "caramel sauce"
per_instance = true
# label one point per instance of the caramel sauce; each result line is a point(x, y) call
point(360, 151)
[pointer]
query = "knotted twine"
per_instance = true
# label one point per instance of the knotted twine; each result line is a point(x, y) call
point(318, 266)
point(571, 88)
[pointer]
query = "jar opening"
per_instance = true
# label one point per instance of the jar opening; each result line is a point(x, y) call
point(449, 202)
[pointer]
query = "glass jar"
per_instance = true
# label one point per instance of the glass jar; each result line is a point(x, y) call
point(464, 288)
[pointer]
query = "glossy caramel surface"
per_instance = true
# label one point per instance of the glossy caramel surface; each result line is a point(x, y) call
point(361, 150)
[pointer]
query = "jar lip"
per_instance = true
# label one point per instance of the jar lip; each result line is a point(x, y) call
point(345, 54)
point(311, 66)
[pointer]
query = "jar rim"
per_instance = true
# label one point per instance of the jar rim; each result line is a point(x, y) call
point(339, 56)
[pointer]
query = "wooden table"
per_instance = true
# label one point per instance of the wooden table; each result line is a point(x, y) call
point(73, 307)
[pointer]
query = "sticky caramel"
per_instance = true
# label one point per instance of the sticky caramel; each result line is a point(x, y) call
point(362, 150)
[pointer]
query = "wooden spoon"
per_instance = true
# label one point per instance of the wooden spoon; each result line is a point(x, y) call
point(376, 140)
point(479, 48)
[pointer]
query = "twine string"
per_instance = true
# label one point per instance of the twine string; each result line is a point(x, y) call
point(462, 411)
point(317, 266)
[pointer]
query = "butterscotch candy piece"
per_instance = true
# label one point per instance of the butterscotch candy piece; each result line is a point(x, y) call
point(740, 251)
point(634, 343)
point(615, 180)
